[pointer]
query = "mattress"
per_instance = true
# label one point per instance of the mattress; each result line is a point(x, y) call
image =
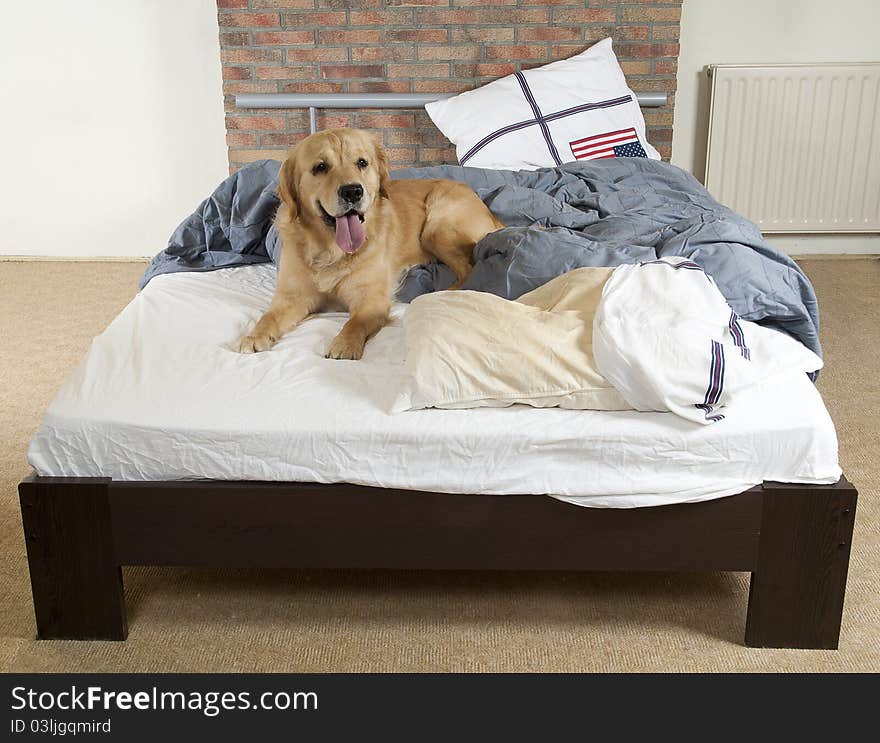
point(162, 396)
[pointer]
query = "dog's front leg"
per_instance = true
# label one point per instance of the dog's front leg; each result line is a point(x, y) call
point(366, 320)
point(284, 314)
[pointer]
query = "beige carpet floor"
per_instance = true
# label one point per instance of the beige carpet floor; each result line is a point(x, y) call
point(199, 620)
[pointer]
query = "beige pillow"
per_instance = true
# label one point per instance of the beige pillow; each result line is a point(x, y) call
point(469, 349)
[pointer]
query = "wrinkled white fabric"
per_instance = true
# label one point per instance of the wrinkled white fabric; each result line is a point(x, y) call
point(667, 340)
point(162, 396)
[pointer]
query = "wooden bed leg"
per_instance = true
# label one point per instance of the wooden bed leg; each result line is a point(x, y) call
point(76, 583)
point(796, 593)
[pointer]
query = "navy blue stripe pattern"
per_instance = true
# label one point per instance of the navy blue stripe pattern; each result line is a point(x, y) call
point(491, 137)
point(739, 338)
point(545, 130)
point(588, 107)
point(716, 384)
point(688, 265)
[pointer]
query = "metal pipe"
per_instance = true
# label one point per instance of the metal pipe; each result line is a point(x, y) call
point(374, 100)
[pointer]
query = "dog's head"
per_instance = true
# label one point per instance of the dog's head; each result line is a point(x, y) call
point(335, 177)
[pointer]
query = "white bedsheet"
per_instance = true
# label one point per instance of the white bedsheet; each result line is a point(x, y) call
point(162, 396)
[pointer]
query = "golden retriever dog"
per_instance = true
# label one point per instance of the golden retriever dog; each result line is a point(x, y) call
point(348, 233)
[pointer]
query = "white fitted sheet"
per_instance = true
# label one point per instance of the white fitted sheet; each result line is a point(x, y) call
point(162, 396)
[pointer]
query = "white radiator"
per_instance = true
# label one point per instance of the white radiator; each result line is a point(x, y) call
point(796, 148)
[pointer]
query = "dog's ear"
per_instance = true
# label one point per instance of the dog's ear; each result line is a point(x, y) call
point(382, 164)
point(287, 185)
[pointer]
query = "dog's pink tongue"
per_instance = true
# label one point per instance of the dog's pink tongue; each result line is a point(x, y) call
point(349, 232)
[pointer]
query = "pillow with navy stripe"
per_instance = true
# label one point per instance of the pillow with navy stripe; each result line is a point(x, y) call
point(576, 109)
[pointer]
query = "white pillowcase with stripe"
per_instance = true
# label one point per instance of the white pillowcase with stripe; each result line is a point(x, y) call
point(667, 340)
point(656, 336)
point(575, 109)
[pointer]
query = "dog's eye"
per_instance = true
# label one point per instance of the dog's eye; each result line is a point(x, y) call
point(319, 168)
point(361, 163)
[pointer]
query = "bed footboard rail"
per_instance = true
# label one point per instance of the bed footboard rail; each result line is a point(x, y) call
point(79, 532)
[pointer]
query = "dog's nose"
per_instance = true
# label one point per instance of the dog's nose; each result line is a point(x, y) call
point(351, 192)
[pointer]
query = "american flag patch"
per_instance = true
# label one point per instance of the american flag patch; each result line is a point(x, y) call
point(622, 143)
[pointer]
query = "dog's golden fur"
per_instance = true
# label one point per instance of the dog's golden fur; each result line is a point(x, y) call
point(405, 222)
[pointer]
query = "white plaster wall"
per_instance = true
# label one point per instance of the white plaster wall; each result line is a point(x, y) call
point(111, 123)
point(759, 31)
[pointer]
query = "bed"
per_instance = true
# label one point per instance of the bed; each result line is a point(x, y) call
point(166, 448)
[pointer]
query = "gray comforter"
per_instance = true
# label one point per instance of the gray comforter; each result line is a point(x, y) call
point(600, 213)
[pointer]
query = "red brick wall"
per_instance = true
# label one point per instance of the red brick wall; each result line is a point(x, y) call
point(421, 46)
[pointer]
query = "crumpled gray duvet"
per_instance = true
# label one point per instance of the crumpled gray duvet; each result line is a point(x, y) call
point(599, 213)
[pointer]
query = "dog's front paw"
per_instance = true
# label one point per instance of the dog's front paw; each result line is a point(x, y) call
point(255, 343)
point(346, 347)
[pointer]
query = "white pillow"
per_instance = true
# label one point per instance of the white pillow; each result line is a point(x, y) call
point(468, 349)
point(666, 338)
point(574, 109)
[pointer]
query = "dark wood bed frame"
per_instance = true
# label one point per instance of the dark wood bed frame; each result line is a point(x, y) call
point(794, 539)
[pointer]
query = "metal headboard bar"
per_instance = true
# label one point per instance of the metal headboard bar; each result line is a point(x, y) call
point(314, 101)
